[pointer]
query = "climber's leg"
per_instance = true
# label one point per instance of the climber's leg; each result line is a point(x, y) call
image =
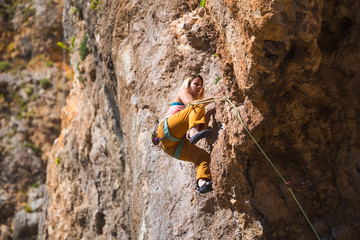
point(199, 157)
point(182, 121)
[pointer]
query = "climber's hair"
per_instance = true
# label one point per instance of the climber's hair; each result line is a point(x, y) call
point(188, 81)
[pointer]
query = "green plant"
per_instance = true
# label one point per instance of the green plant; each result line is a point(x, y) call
point(218, 79)
point(45, 83)
point(35, 185)
point(70, 48)
point(28, 209)
point(72, 42)
point(83, 49)
point(62, 45)
point(74, 11)
point(22, 113)
point(22, 104)
point(36, 149)
point(49, 64)
point(4, 66)
point(202, 3)
point(95, 5)
point(57, 161)
point(215, 55)
point(10, 47)
point(29, 91)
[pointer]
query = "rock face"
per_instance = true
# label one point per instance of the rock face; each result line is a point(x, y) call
point(293, 71)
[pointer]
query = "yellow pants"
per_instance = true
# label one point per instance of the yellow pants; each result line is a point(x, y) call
point(178, 124)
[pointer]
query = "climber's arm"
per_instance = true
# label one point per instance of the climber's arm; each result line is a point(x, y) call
point(185, 97)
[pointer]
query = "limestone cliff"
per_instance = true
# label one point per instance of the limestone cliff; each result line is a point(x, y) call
point(296, 71)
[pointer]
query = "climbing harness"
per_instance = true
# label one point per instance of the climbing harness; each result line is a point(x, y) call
point(155, 139)
point(287, 183)
point(173, 139)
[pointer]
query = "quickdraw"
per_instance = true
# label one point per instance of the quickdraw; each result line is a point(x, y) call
point(154, 136)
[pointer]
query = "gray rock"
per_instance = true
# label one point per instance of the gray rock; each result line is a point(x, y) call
point(36, 200)
point(36, 193)
point(25, 224)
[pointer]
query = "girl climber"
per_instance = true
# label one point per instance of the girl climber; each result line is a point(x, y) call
point(178, 120)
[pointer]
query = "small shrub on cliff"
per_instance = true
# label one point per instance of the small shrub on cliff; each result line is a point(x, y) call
point(72, 42)
point(83, 49)
point(45, 83)
point(49, 63)
point(202, 3)
point(28, 209)
point(57, 161)
point(23, 109)
point(95, 5)
point(5, 66)
point(62, 45)
point(10, 47)
point(70, 48)
point(29, 90)
point(217, 80)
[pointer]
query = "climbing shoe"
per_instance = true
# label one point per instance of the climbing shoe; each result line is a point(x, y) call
point(206, 187)
point(197, 136)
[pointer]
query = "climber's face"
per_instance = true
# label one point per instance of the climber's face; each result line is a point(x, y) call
point(196, 86)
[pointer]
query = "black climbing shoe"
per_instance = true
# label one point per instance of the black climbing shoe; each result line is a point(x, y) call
point(203, 134)
point(207, 187)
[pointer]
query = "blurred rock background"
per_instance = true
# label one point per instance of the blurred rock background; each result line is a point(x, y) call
point(31, 97)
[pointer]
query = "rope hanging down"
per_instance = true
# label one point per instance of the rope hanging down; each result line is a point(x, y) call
point(267, 158)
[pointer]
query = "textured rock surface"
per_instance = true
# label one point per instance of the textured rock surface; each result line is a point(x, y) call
point(295, 64)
